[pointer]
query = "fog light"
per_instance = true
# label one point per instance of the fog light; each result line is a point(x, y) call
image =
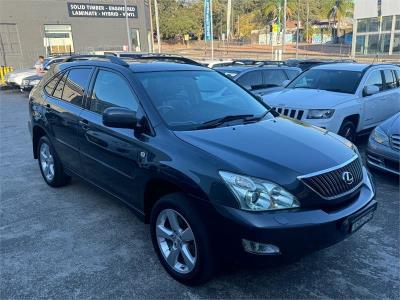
point(260, 248)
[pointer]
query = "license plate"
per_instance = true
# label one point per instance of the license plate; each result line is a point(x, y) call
point(358, 222)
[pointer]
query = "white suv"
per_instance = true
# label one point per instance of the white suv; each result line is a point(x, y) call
point(345, 98)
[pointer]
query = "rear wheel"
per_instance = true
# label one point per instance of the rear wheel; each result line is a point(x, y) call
point(180, 240)
point(50, 165)
point(348, 130)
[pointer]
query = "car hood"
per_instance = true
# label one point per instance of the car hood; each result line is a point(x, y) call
point(306, 98)
point(29, 71)
point(391, 125)
point(279, 148)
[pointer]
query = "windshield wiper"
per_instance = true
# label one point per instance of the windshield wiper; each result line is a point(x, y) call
point(262, 116)
point(219, 121)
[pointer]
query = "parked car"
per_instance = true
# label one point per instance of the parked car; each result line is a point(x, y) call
point(14, 79)
point(305, 64)
point(28, 83)
point(345, 98)
point(216, 63)
point(247, 62)
point(126, 54)
point(263, 79)
point(216, 173)
point(383, 151)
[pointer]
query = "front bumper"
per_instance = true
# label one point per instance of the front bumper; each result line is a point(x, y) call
point(383, 157)
point(295, 232)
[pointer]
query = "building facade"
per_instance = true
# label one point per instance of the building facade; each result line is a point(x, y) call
point(376, 29)
point(29, 28)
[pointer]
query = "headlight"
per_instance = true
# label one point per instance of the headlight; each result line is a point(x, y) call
point(257, 194)
point(35, 82)
point(380, 137)
point(320, 113)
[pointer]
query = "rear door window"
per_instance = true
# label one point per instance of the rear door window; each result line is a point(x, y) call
point(292, 73)
point(274, 77)
point(75, 85)
point(49, 88)
point(60, 86)
point(252, 79)
point(390, 79)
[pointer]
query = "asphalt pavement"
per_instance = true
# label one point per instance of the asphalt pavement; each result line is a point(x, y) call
point(76, 242)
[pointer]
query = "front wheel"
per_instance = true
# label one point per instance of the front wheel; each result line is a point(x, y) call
point(181, 241)
point(348, 130)
point(50, 165)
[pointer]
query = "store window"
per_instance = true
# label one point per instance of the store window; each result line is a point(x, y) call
point(387, 23)
point(397, 26)
point(373, 25)
point(360, 44)
point(396, 44)
point(385, 43)
point(373, 40)
point(362, 25)
point(58, 39)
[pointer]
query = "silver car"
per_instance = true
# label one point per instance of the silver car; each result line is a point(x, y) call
point(383, 150)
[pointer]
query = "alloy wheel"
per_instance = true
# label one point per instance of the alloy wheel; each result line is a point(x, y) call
point(176, 241)
point(47, 161)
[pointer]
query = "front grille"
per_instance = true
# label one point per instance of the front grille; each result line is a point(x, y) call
point(395, 141)
point(329, 184)
point(292, 113)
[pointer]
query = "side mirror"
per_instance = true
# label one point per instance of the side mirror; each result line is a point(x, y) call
point(46, 68)
point(119, 117)
point(370, 90)
point(285, 83)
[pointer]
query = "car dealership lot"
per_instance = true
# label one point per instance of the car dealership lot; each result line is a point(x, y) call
point(78, 242)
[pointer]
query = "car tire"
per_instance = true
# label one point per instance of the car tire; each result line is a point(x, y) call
point(50, 165)
point(348, 130)
point(188, 258)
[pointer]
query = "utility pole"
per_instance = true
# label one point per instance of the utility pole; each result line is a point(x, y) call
point(228, 19)
point(212, 30)
point(297, 29)
point(157, 25)
point(307, 21)
point(284, 27)
point(127, 28)
point(151, 27)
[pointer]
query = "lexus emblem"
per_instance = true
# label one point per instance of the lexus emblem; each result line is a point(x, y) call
point(347, 177)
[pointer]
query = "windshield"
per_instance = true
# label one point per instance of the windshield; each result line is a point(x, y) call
point(329, 80)
point(188, 99)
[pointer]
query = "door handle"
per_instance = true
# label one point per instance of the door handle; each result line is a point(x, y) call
point(84, 124)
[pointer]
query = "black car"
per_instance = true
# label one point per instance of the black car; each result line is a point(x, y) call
point(261, 80)
point(217, 173)
point(28, 83)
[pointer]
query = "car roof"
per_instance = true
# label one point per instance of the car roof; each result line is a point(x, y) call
point(158, 66)
point(343, 66)
point(240, 69)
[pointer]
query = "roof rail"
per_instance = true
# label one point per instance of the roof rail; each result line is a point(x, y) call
point(111, 58)
point(168, 57)
point(376, 65)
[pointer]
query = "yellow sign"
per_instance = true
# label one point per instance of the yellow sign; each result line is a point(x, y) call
point(275, 27)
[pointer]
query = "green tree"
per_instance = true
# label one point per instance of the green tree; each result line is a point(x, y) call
point(337, 10)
